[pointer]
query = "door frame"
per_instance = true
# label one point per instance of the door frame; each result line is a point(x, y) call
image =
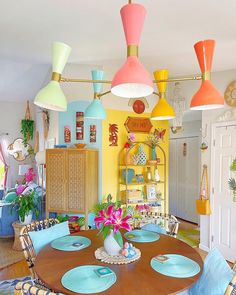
point(212, 162)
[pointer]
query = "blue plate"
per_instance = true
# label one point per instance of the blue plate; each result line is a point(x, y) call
point(141, 236)
point(71, 243)
point(83, 279)
point(177, 266)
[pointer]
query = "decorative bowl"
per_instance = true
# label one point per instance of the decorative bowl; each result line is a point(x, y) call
point(80, 145)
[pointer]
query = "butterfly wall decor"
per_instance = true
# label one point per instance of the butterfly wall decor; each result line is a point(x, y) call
point(159, 133)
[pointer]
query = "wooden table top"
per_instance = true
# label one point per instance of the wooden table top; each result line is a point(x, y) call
point(137, 278)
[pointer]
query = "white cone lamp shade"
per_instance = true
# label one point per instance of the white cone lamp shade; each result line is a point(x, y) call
point(96, 110)
point(132, 80)
point(51, 96)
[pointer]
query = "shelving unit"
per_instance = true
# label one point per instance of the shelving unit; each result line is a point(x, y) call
point(161, 185)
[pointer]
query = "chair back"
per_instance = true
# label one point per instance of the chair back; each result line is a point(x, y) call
point(22, 288)
point(167, 221)
point(231, 289)
point(26, 242)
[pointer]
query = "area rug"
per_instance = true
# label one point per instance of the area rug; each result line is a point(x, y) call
point(7, 286)
point(8, 256)
point(189, 236)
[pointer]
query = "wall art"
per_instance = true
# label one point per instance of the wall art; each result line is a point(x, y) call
point(138, 125)
point(92, 136)
point(113, 134)
point(79, 125)
point(67, 134)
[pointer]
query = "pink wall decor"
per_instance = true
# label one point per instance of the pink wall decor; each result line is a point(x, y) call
point(113, 134)
point(92, 137)
point(67, 134)
point(79, 125)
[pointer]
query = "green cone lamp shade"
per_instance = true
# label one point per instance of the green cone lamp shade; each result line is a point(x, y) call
point(51, 96)
point(96, 110)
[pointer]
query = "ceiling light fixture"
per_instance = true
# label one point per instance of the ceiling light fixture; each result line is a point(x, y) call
point(132, 80)
point(96, 110)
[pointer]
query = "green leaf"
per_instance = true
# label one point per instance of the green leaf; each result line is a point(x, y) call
point(118, 238)
point(105, 231)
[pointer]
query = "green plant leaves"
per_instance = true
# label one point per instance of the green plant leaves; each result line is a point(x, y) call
point(27, 129)
point(118, 238)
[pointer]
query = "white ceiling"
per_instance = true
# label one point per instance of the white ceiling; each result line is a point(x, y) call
point(94, 31)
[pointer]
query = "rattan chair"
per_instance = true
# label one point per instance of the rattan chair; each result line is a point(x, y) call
point(22, 288)
point(167, 221)
point(26, 242)
point(231, 289)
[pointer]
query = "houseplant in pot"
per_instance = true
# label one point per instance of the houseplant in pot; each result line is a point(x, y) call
point(26, 203)
point(109, 221)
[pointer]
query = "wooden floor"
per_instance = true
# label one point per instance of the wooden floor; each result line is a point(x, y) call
point(20, 269)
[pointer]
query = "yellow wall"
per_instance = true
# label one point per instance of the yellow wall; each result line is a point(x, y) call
point(110, 154)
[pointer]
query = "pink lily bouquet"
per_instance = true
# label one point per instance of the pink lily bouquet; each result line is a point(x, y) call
point(112, 220)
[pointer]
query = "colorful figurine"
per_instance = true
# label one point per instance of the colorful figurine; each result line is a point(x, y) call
point(128, 250)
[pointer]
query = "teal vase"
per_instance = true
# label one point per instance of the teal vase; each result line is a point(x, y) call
point(153, 153)
point(129, 173)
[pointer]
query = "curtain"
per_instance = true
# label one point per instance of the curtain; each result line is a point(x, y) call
point(2, 158)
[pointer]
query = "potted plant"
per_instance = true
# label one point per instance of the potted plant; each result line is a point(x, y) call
point(153, 141)
point(109, 222)
point(27, 126)
point(232, 181)
point(25, 203)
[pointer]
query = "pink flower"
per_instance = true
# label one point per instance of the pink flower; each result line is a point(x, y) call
point(103, 216)
point(29, 176)
point(20, 189)
point(127, 145)
point(117, 221)
point(131, 137)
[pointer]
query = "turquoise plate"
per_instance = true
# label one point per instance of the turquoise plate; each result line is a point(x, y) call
point(141, 236)
point(83, 279)
point(71, 243)
point(177, 266)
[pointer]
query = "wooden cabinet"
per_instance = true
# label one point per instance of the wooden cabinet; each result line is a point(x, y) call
point(71, 180)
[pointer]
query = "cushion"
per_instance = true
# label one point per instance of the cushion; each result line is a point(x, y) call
point(43, 237)
point(10, 197)
point(215, 277)
point(155, 228)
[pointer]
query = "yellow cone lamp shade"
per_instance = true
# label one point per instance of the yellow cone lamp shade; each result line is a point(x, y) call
point(132, 80)
point(207, 97)
point(162, 110)
point(51, 96)
point(96, 110)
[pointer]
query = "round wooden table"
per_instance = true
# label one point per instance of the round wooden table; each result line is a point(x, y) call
point(137, 278)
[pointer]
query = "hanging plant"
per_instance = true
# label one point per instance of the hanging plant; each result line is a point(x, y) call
point(27, 126)
point(232, 181)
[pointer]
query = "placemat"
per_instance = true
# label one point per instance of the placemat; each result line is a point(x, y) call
point(83, 279)
point(141, 236)
point(71, 243)
point(177, 266)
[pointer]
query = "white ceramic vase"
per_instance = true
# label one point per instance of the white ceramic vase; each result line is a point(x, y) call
point(28, 218)
point(110, 245)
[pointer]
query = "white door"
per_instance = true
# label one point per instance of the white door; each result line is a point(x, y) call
point(173, 198)
point(223, 220)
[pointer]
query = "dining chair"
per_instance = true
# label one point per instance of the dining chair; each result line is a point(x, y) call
point(22, 288)
point(26, 242)
point(161, 223)
point(231, 289)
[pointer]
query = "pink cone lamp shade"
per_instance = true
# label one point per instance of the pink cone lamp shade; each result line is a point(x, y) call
point(132, 80)
point(207, 97)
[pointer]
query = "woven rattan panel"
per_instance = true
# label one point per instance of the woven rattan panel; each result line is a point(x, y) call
point(76, 181)
point(56, 181)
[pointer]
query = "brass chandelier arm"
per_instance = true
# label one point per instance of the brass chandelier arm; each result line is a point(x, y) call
point(156, 93)
point(170, 80)
point(102, 94)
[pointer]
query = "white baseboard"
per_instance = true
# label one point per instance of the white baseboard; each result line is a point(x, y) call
point(204, 248)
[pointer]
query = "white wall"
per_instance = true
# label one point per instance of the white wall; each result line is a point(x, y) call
point(221, 81)
point(11, 114)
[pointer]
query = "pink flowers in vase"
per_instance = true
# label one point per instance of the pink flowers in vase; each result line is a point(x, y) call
point(112, 220)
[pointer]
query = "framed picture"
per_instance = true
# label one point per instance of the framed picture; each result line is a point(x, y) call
point(151, 192)
point(140, 178)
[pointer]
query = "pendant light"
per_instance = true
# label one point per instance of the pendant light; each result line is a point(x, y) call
point(207, 97)
point(51, 96)
point(96, 110)
point(162, 110)
point(132, 80)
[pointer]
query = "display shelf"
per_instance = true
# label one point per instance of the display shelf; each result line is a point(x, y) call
point(125, 156)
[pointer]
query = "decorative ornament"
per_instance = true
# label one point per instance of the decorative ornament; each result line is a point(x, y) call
point(138, 105)
point(128, 250)
point(67, 134)
point(92, 136)
point(185, 149)
point(230, 94)
point(160, 133)
point(79, 125)
point(179, 105)
point(46, 122)
point(138, 125)
point(142, 157)
point(204, 144)
point(113, 134)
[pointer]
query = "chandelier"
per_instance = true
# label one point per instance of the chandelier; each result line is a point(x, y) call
point(132, 80)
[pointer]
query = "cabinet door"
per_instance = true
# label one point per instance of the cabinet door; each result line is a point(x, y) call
point(56, 184)
point(76, 181)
